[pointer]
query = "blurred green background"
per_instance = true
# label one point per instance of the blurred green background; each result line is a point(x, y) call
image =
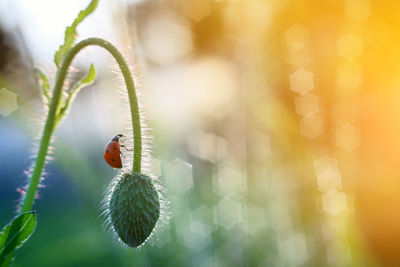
point(275, 130)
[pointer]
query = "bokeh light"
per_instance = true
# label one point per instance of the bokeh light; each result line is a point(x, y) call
point(301, 81)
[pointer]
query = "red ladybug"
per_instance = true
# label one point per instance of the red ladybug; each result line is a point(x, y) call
point(112, 153)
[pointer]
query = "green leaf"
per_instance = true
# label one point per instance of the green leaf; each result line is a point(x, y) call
point(85, 81)
point(3, 235)
point(8, 260)
point(90, 76)
point(45, 85)
point(70, 33)
point(15, 234)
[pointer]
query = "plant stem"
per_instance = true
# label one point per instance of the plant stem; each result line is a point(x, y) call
point(55, 102)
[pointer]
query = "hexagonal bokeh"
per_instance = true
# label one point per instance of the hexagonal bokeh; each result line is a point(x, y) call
point(195, 241)
point(178, 175)
point(300, 58)
point(255, 219)
point(348, 137)
point(301, 81)
point(350, 75)
point(350, 46)
point(334, 202)
point(297, 36)
point(311, 126)
point(324, 163)
point(202, 221)
point(8, 102)
point(307, 104)
point(328, 180)
point(227, 213)
point(230, 179)
point(196, 9)
point(293, 249)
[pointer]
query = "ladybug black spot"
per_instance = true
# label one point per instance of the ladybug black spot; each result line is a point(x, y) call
point(113, 160)
point(107, 151)
point(115, 147)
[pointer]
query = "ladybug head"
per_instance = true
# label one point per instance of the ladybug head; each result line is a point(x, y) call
point(117, 137)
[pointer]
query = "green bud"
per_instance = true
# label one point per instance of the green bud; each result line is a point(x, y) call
point(134, 208)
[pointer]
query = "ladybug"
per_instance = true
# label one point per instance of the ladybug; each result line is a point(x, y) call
point(112, 152)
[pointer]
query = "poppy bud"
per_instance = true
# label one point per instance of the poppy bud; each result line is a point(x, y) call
point(134, 208)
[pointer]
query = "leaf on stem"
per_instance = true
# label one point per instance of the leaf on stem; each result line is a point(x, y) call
point(89, 79)
point(45, 85)
point(70, 33)
point(85, 81)
point(15, 234)
point(8, 260)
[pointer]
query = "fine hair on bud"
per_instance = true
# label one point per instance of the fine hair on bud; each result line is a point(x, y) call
point(133, 208)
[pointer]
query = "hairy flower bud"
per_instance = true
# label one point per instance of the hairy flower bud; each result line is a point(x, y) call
point(134, 208)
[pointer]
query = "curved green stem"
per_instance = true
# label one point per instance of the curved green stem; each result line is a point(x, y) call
point(55, 102)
